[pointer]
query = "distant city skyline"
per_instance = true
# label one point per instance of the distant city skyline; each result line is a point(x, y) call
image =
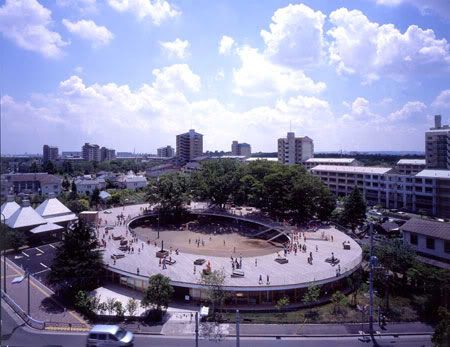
point(133, 75)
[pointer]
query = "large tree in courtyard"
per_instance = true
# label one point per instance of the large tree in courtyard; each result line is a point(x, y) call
point(158, 293)
point(354, 212)
point(171, 192)
point(78, 262)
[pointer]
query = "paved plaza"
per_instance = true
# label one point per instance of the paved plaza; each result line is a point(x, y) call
point(296, 273)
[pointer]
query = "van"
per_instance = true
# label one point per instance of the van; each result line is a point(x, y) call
point(109, 336)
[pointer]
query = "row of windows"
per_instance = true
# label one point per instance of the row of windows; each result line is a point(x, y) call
point(429, 243)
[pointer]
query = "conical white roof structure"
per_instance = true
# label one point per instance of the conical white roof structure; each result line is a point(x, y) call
point(25, 216)
point(8, 208)
point(54, 211)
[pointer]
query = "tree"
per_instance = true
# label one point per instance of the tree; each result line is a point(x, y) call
point(441, 336)
point(78, 205)
point(65, 184)
point(312, 295)
point(119, 309)
point(282, 303)
point(132, 306)
point(354, 282)
point(354, 212)
point(213, 283)
point(10, 238)
point(110, 305)
point(95, 197)
point(34, 167)
point(49, 167)
point(171, 192)
point(158, 293)
point(73, 191)
point(78, 262)
point(85, 303)
point(339, 301)
point(218, 181)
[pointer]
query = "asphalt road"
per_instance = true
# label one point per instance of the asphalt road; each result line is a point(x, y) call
point(14, 334)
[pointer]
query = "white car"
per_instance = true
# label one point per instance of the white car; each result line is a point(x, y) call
point(109, 335)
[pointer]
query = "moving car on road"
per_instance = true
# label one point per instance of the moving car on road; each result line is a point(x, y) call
point(109, 335)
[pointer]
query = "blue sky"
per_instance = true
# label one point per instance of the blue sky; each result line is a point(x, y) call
point(352, 75)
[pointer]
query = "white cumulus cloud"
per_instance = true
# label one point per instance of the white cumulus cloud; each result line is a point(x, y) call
point(362, 47)
point(259, 77)
point(442, 101)
point(438, 7)
point(87, 30)
point(156, 10)
point(226, 44)
point(295, 37)
point(178, 48)
point(28, 24)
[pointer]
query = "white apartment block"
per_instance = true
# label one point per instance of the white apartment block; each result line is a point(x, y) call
point(189, 146)
point(311, 162)
point(295, 150)
point(430, 239)
point(166, 152)
point(90, 152)
point(437, 145)
point(241, 149)
point(410, 166)
point(427, 191)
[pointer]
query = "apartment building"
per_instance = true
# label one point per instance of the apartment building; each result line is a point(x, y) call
point(410, 166)
point(49, 153)
point(312, 162)
point(90, 152)
point(437, 145)
point(430, 239)
point(428, 191)
point(30, 183)
point(107, 154)
point(295, 150)
point(166, 152)
point(241, 149)
point(189, 146)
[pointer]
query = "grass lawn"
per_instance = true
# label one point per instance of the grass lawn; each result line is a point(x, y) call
point(401, 310)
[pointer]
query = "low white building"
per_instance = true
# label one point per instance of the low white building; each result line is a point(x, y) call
point(87, 184)
point(430, 239)
point(311, 162)
point(131, 181)
point(54, 211)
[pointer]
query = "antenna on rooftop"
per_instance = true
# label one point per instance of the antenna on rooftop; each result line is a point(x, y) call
point(290, 126)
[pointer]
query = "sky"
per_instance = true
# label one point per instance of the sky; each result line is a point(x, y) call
point(362, 75)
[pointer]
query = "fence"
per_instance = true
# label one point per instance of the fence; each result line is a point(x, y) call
point(26, 318)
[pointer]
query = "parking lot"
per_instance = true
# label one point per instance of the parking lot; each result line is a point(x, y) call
point(36, 260)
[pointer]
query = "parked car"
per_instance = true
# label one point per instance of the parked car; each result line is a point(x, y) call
point(109, 335)
point(107, 211)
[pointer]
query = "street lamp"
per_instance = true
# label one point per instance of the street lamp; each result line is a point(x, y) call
point(20, 279)
point(373, 262)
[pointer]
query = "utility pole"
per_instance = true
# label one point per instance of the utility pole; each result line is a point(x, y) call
point(28, 290)
point(4, 258)
point(372, 263)
point(238, 321)
point(196, 329)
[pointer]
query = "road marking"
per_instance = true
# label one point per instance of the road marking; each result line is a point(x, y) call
point(44, 265)
point(25, 254)
point(36, 273)
point(40, 250)
point(52, 246)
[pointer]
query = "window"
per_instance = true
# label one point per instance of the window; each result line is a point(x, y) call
point(447, 246)
point(101, 337)
point(430, 243)
point(413, 238)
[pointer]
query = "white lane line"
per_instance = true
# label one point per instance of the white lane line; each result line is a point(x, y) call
point(40, 250)
point(37, 273)
point(44, 265)
point(52, 246)
point(25, 254)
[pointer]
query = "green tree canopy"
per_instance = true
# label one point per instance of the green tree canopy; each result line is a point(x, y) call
point(158, 293)
point(78, 261)
point(354, 212)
